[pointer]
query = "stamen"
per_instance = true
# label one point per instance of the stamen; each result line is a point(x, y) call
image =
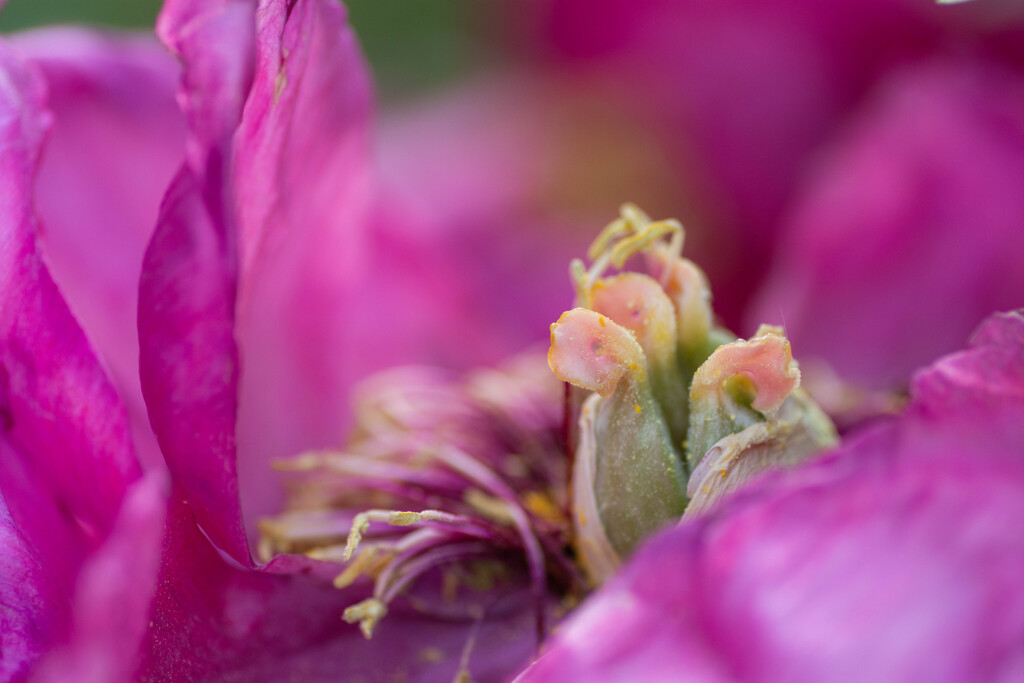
point(395, 518)
point(495, 509)
point(367, 613)
point(369, 562)
point(650, 234)
point(403, 571)
point(631, 233)
point(613, 231)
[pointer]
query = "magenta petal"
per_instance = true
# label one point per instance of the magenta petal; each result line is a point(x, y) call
point(188, 356)
point(66, 456)
point(854, 571)
point(273, 205)
point(112, 598)
point(897, 559)
point(116, 140)
point(189, 362)
point(56, 402)
point(28, 609)
point(989, 375)
point(304, 199)
point(912, 233)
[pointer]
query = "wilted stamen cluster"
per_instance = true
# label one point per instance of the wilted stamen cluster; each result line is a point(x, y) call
point(438, 474)
point(681, 411)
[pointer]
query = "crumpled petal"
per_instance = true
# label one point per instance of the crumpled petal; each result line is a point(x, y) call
point(116, 140)
point(330, 267)
point(896, 559)
point(911, 234)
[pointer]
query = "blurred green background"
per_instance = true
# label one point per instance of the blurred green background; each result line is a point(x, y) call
point(411, 44)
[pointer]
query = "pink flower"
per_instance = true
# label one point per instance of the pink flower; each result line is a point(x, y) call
point(274, 269)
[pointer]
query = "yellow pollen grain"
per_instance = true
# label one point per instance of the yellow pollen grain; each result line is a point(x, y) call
point(403, 518)
point(542, 506)
point(636, 406)
point(583, 519)
point(601, 319)
point(723, 473)
point(367, 613)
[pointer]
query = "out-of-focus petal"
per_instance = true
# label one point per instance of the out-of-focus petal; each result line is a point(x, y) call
point(57, 403)
point(304, 201)
point(116, 140)
point(213, 622)
point(27, 601)
point(896, 559)
point(744, 92)
point(740, 92)
point(66, 456)
point(475, 188)
point(911, 234)
point(113, 594)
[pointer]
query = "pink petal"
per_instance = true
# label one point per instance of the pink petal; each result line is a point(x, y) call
point(743, 93)
point(336, 278)
point(30, 606)
point(304, 197)
point(911, 234)
point(66, 456)
point(188, 356)
point(59, 409)
point(115, 142)
point(897, 559)
point(112, 599)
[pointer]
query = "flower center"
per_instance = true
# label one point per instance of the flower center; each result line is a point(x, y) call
point(467, 480)
point(441, 474)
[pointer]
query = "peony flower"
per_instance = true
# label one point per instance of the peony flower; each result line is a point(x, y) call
point(282, 269)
